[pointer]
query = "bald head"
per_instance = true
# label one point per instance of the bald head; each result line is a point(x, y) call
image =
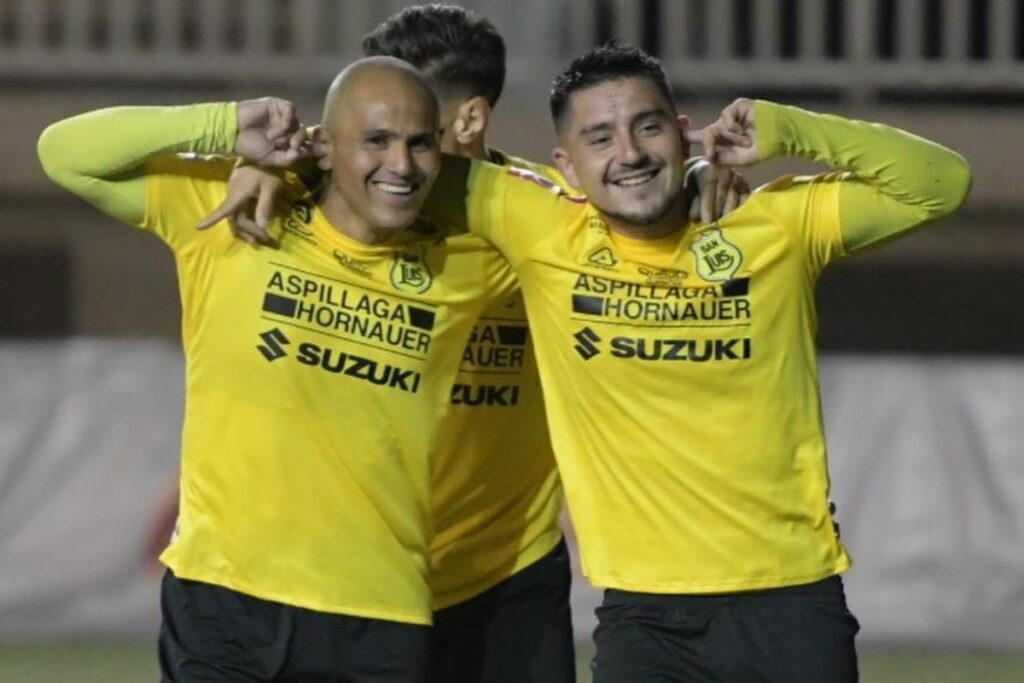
point(381, 126)
point(373, 80)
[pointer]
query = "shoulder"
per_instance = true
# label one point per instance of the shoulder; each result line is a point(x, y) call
point(530, 183)
point(789, 183)
point(540, 173)
point(200, 167)
point(788, 188)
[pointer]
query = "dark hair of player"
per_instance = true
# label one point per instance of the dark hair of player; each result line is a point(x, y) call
point(459, 51)
point(612, 61)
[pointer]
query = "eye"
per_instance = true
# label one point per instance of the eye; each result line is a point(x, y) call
point(424, 144)
point(600, 141)
point(376, 141)
point(650, 128)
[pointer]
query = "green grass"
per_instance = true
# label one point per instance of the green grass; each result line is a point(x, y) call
point(136, 663)
point(911, 665)
point(941, 666)
point(107, 662)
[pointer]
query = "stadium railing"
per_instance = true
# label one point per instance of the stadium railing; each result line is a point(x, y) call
point(857, 48)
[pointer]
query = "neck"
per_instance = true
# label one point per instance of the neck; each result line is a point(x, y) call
point(343, 219)
point(474, 150)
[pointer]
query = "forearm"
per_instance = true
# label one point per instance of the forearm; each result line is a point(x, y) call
point(899, 180)
point(101, 156)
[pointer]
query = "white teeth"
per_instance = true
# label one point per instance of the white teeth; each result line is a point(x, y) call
point(395, 189)
point(638, 180)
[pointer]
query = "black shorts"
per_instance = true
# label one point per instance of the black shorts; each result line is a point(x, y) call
point(519, 631)
point(210, 633)
point(797, 634)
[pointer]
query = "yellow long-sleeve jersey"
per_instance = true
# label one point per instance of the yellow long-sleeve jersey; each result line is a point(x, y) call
point(680, 374)
point(317, 373)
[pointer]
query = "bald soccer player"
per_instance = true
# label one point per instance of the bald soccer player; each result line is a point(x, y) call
point(316, 374)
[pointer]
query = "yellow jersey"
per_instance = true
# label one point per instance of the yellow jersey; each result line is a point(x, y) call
point(680, 374)
point(496, 496)
point(317, 373)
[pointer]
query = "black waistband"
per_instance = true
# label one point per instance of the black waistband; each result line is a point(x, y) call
point(828, 587)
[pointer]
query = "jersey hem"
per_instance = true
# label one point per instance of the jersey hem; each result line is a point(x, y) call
point(291, 601)
point(459, 597)
point(685, 588)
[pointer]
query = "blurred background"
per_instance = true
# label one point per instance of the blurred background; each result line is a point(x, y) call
point(923, 342)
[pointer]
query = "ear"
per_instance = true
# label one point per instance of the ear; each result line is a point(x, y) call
point(563, 162)
point(321, 147)
point(471, 120)
point(683, 123)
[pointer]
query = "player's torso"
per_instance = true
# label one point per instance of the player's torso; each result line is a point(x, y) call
point(496, 495)
point(317, 377)
point(682, 392)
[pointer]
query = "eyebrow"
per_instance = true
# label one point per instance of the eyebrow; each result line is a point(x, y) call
point(595, 128)
point(421, 137)
point(650, 114)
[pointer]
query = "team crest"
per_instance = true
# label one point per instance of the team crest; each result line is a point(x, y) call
point(298, 219)
point(410, 272)
point(717, 258)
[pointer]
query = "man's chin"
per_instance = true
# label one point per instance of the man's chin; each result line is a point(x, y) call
point(395, 221)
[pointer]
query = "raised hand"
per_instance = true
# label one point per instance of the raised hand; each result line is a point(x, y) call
point(250, 190)
point(269, 132)
point(732, 139)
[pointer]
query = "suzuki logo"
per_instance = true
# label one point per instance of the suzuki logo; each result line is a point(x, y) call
point(274, 339)
point(587, 347)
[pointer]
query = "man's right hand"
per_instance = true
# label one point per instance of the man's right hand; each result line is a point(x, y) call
point(269, 132)
point(732, 139)
point(249, 205)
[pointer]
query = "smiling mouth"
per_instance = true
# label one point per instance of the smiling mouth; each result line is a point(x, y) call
point(397, 189)
point(636, 180)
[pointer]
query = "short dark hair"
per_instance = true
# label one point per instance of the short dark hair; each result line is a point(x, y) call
point(459, 51)
point(612, 61)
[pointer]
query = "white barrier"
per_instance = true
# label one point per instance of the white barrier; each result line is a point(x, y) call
point(927, 465)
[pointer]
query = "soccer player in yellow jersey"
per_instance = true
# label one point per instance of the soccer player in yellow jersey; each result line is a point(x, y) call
point(316, 375)
point(679, 365)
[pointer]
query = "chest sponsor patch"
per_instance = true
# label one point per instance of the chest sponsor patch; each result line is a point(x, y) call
point(391, 324)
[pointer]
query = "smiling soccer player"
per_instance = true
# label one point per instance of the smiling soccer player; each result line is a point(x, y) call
point(302, 547)
point(691, 447)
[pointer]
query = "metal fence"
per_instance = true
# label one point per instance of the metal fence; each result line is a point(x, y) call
point(856, 47)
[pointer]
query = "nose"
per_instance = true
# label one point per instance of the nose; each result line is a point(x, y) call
point(400, 161)
point(630, 153)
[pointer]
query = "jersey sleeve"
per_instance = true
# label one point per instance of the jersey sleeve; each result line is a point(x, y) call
point(891, 181)
point(545, 171)
point(123, 160)
point(515, 208)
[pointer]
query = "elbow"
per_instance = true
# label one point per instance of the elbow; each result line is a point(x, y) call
point(954, 182)
point(48, 150)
